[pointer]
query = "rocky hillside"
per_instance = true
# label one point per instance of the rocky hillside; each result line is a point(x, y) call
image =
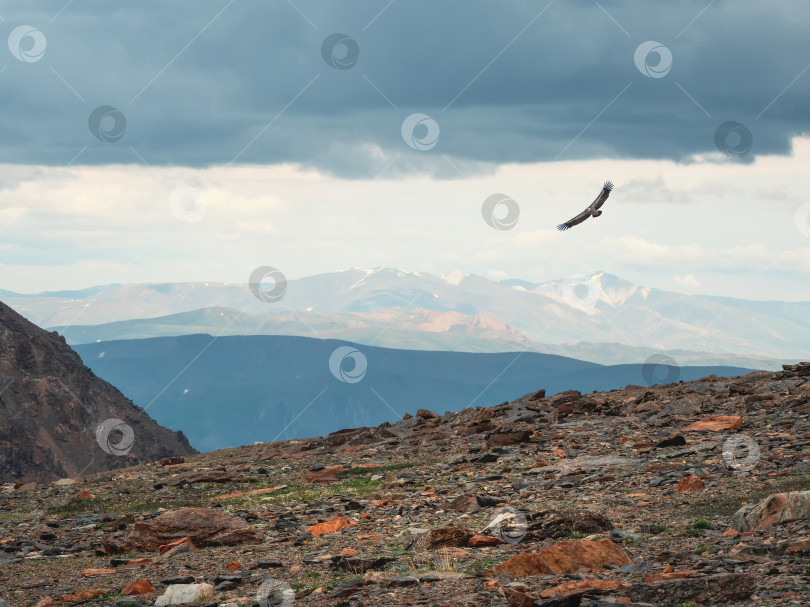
point(57, 419)
point(692, 493)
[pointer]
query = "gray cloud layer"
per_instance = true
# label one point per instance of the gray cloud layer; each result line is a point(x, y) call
point(198, 81)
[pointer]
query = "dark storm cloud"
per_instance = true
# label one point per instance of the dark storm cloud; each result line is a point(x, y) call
point(204, 82)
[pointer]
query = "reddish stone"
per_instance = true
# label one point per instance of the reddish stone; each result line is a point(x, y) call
point(81, 595)
point(336, 524)
point(327, 475)
point(234, 565)
point(669, 575)
point(348, 552)
point(46, 602)
point(138, 587)
point(689, 483)
point(565, 557)
point(716, 423)
point(184, 541)
point(569, 588)
point(205, 527)
point(483, 540)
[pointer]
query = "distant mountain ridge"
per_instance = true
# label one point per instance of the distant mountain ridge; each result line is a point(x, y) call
point(598, 309)
point(236, 390)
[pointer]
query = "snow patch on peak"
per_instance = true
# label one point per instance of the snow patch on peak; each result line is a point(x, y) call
point(455, 277)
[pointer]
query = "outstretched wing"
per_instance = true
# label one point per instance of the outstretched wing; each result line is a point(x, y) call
point(603, 195)
point(572, 222)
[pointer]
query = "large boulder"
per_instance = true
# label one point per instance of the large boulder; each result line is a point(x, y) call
point(205, 527)
point(776, 508)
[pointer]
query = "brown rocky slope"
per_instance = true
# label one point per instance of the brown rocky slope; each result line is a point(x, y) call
point(54, 412)
point(636, 496)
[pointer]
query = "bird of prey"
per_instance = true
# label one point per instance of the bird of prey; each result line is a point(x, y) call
point(592, 210)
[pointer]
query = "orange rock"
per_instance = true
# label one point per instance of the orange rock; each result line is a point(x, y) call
point(569, 588)
point(348, 552)
point(353, 449)
point(669, 575)
point(368, 536)
point(46, 602)
point(137, 562)
point(81, 595)
point(327, 475)
point(483, 540)
point(730, 532)
point(669, 568)
point(95, 572)
point(336, 524)
point(233, 566)
point(85, 495)
point(565, 557)
point(138, 587)
point(365, 515)
point(624, 600)
point(716, 423)
point(163, 549)
point(689, 483)
point(558, 453)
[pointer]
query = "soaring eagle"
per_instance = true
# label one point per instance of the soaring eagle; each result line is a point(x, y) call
point(592, 210)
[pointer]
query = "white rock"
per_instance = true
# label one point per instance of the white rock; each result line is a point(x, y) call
point(184, 593)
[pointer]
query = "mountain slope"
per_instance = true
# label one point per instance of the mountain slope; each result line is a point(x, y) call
point(235, 390)
point(54, 412)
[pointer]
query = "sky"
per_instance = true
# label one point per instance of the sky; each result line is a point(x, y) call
point(195, 141)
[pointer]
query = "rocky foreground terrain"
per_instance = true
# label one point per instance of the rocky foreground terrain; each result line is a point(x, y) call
point(636, 496)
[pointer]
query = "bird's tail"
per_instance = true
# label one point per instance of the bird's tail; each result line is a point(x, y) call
point(608, 186)
point(562, 227)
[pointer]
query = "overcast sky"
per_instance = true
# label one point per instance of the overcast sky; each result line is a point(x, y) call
point(196, 140)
